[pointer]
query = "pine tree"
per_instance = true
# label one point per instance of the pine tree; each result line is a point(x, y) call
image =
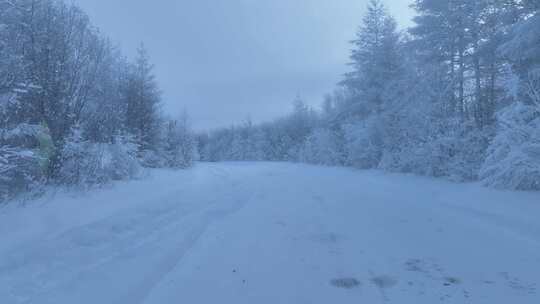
point(375, 59)
point(180, 144)
point(143, 99)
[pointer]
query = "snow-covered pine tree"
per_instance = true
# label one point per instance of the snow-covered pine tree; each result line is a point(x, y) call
point(180, 145)
point(376, 65)
point(374, 59)
point(143, 117)
point(513, 160)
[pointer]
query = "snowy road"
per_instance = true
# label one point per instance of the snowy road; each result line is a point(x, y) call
point(274, 233)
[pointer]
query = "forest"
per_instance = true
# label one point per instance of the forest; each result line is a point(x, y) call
point(73, 110)
point(415, 180)
point(457, 95)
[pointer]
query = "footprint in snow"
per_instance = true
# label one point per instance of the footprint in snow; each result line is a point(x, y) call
point(326, 238)
point(384, 282)
point(345, 283)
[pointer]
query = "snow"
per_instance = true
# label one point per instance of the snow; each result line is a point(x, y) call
point(273, 233)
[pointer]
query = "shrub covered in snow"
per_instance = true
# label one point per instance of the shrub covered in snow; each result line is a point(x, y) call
point(31, 137)
point(180, 145)
point(513, 160)
point(322, 147)
point(25, 154)
point(468, 153)
point(20, 172)
point(87, 163)
point(152, 158)
point(363, 144)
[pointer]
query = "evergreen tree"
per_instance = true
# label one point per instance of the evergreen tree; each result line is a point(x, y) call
point(143, 99)
point(375, 60)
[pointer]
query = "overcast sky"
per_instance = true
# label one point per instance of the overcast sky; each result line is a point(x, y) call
point(229, 60)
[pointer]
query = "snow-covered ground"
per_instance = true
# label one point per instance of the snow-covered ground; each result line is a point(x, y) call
point(274, 233)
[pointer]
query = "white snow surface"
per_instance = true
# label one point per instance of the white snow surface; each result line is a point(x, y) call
point(273, 233)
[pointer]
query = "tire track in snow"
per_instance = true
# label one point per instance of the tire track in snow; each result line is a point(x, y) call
point(36, 272)
point(173, 259)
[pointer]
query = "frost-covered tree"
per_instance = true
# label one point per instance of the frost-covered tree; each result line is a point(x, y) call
point(374, 59)
point(457, 97)
point(9, 45)
point(323, 147)
point(522, 49)
point(298, 126)
point(86, 163)
point(143, 99)
point(376, 67)
point(62, 53)
point(363, 143)
point(59, 74)
point(513, 160)
point(461, 37)
point(105, 116)
point(180, 145)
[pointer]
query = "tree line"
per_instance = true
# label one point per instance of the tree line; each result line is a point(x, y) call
point(457, 95)
point(73, 109)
